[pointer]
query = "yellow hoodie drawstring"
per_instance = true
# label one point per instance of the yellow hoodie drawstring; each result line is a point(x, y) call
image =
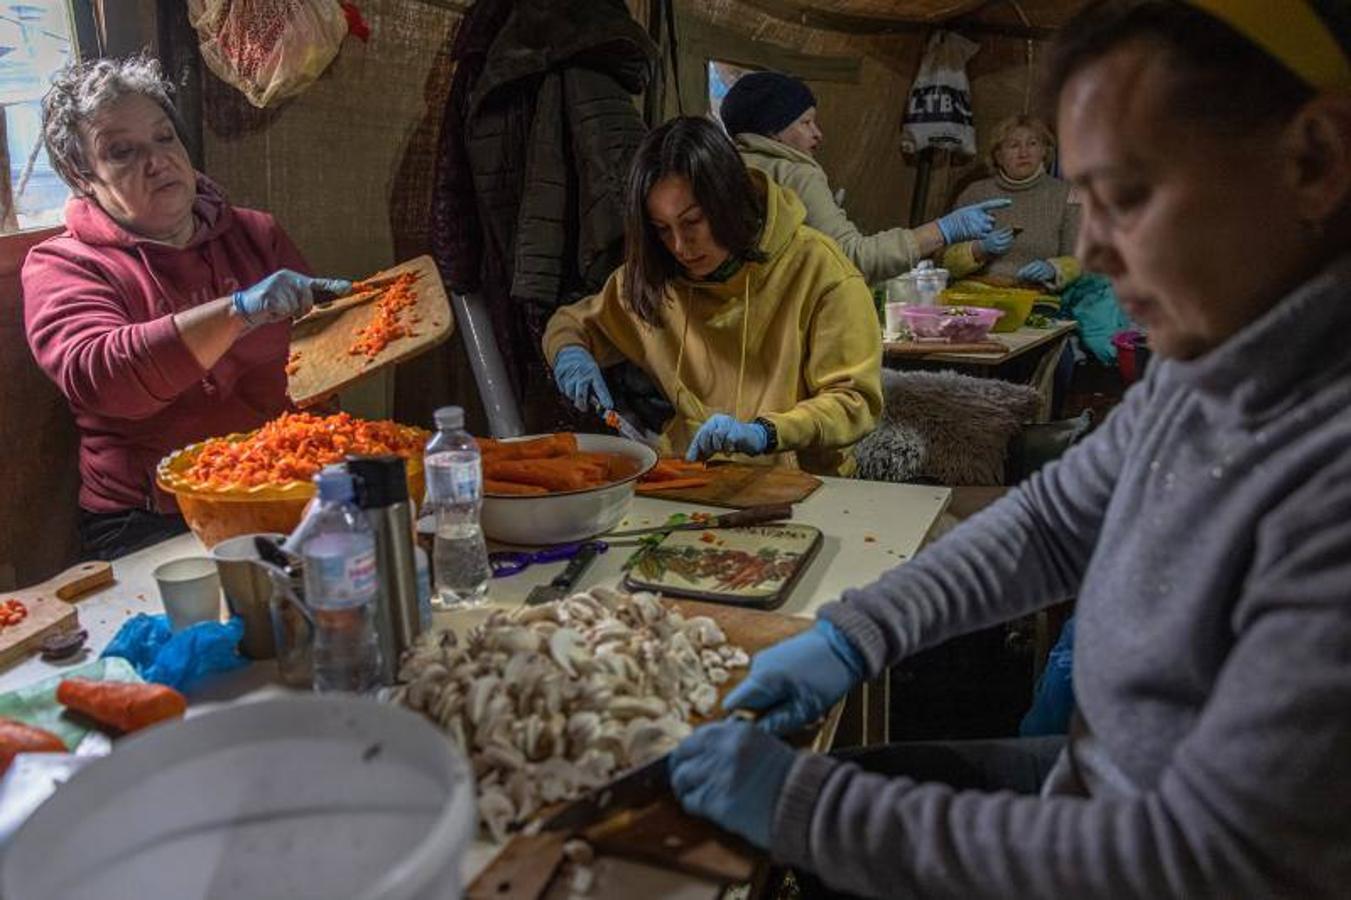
point(745, 343)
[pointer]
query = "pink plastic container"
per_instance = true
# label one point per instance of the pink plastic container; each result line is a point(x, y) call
point(954, 324)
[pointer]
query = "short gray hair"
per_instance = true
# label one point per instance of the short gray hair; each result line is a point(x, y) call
point(80, 90)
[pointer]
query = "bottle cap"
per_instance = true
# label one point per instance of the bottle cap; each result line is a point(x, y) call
point(335, 485)
point(449, 417)
point(382, 480)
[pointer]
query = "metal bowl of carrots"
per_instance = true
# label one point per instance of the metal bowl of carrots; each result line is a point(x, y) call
point(228, 504)
point(558, 488)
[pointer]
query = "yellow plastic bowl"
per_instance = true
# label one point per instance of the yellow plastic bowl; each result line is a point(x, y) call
point(1015, 303)
point(217, 514)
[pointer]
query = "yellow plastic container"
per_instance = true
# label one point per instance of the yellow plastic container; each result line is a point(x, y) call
point(1016, 303)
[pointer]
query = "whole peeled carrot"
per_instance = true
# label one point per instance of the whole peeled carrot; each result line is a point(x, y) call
point(16, 737)
point(127, 706)
point(493, 486)
point(550, 474)
point(549, 447)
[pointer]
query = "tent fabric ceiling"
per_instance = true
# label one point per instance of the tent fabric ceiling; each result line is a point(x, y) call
point(1044, 13)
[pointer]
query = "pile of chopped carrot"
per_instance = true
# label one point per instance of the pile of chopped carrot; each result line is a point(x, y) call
point(392, 317)
point(12, 612)
point(673, 474)
point(552, 464)
point(295, 446)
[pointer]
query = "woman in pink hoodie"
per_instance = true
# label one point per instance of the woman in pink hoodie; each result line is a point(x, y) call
point(161, 312)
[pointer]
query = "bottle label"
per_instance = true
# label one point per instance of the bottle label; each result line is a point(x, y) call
point(453, 478)
point(466, 480)
point(347, 580)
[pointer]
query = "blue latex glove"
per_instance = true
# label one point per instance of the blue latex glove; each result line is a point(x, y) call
point(1038, 270)
point(284, 295)
point(970, 223)
point(732, 773)
point(997, 243)
point(724, 434)
point(796, 681)
point(579, 378)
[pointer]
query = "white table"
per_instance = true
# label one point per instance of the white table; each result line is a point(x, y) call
point(868, 527)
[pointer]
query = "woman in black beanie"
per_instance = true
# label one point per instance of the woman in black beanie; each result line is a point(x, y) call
point(772, 118)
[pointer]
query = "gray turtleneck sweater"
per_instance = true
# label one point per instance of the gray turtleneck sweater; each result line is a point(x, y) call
point(1042, 208)
point(1206, 530)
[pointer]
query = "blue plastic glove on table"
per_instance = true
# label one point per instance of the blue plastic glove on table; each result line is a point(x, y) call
point(971, 223)
point(997, 243)
point(284, 295)
point(795, 682)
point(724, 434)
point(578, 377)
point(732, 773)
point(1038, 270)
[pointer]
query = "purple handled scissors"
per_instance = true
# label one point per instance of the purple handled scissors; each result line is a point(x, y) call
point(510, 562)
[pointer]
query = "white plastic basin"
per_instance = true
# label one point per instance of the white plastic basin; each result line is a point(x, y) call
point(535, 519)
point(303, 797)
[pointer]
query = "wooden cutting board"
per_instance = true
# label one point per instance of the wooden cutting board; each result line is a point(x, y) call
point(739, 485)
point(324, 365)
point(661, 833)
point(917, 348)
point(49, 608)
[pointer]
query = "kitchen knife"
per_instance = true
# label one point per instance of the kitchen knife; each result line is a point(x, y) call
point(751, 515)
point(564, 581)
point(635, 788)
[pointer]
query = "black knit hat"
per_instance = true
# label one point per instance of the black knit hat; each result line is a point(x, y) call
point(765, 103)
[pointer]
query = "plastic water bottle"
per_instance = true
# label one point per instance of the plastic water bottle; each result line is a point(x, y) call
point(454, 496)
point(341, 588)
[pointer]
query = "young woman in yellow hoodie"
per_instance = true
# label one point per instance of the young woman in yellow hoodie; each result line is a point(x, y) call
point(757, 329)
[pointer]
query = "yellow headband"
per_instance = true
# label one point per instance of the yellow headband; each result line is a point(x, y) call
point(1293, 33)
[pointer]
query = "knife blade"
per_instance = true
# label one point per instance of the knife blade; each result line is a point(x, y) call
point(751, 515)
point(637, 787)
point(563, 582)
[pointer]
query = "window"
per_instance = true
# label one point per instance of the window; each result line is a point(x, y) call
point(35, 43)
point(721, 77)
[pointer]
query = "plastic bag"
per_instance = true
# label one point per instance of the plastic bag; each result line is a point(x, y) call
point(271, 49)
point(939, 111)
point(178, 660)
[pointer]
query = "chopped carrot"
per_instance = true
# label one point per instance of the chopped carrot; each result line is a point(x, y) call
point(295, 446)
point(388, 323)
point(12, 612)
point(17, 737)
point(127, 706)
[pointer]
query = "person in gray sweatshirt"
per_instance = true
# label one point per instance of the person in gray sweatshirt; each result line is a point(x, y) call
point(1205, 527)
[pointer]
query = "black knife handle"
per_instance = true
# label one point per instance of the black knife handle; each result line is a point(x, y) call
point(755, 515)
point(568, 577)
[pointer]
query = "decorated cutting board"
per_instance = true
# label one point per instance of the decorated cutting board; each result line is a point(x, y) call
point(49, 608)
point(739, 485)
point(336, 346)
point(530, 867)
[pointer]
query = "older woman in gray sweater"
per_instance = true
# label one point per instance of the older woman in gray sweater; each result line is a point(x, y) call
point(1205, 527)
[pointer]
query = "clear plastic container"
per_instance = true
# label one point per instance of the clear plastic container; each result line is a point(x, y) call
point(340, 588)
point(455, 498)
point(922, 284)
point(953, 324)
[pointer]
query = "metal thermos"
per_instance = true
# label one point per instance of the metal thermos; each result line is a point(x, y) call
point(382, 492)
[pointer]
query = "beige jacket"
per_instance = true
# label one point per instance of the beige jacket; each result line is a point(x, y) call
point(878, 256)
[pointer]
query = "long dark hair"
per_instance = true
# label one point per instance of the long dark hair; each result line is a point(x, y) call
point(699, 150)
point(1222, 78)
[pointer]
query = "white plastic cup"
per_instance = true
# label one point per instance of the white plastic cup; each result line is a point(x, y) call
point(190, 589)
point(895, 321)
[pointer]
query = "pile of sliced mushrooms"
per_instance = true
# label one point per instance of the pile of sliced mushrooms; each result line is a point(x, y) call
point(551, 701)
